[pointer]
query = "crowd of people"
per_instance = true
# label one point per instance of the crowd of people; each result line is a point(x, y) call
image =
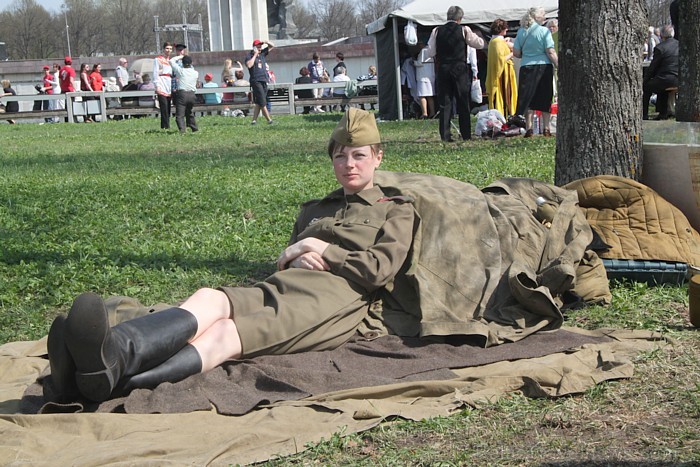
point(455, 71)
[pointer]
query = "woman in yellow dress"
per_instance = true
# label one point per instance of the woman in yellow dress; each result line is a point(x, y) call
point(501, 86)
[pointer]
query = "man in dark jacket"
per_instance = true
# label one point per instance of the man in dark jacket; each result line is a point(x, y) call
point(448, 44)
point(661, 74)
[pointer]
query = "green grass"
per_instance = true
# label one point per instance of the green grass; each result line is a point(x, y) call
point(122, 208)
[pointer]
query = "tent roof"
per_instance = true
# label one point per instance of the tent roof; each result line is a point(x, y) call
point(434, 12)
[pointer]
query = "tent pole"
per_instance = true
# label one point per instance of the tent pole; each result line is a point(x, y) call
point(397, 67)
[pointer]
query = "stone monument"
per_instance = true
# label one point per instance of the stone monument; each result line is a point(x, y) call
point(234, 24)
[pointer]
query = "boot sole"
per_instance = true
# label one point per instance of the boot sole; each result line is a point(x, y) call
point(87, 328)
point(61, 362)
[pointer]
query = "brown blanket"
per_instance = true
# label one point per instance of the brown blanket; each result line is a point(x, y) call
point(237, 387)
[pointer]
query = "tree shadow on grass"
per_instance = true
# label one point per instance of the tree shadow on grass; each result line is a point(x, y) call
point(230, 266)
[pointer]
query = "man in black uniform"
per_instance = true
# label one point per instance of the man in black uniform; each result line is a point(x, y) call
point(448, 44)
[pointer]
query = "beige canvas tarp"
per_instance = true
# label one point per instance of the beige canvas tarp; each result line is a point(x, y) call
point(205, 437)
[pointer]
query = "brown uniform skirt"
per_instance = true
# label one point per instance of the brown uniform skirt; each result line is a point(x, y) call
point(296, 310)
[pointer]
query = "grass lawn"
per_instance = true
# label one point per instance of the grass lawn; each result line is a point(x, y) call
point(123, 208)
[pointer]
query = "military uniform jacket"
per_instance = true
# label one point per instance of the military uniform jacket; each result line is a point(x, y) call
point(370, 234)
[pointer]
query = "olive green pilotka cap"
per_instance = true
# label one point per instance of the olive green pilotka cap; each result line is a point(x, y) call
point(356, 128)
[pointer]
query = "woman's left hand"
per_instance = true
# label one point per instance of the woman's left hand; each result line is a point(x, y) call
point(307, 245)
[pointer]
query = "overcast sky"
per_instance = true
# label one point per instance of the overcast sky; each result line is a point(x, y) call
point(52, 6)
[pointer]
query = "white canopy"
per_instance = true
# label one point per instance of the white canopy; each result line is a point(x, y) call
point(434, 12)
point(388, 33)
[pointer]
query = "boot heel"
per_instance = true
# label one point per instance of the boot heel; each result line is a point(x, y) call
point(91, 344)
point(63, 387)
point(96, 386)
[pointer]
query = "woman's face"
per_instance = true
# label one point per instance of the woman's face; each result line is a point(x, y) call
point(168, 50)
point(354, 167)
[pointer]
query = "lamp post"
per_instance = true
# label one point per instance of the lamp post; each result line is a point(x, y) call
point(65, 16)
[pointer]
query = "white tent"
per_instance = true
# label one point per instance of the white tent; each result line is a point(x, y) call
point(389, 40)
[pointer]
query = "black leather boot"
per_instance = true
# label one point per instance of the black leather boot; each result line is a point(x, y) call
point(61, 386)
point(185, 363)
point(104, 355)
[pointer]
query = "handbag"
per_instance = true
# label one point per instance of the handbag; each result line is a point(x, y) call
point(476, 91)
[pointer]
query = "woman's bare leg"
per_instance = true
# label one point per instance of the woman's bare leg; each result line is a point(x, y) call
point(217, 338)
point(220, 342)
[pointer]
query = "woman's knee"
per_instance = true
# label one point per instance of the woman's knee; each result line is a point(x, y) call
point(211, 299)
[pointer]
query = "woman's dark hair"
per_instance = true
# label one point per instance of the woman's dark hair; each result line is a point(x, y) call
point(167, 44)
point(84, 66)
point(498, 26)
point(303, 71)
point(340, 56)
point(94, 67)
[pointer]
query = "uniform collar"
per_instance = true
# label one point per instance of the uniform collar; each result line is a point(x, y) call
point(371, 195)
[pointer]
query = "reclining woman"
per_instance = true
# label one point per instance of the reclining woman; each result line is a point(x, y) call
point(345, 251)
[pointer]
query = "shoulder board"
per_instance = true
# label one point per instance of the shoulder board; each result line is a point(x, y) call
point(401, 199)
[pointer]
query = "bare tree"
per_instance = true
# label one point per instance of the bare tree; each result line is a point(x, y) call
point(86, 27)
point(371, 10)
point(600, 81)
point(688, 106)
point(128, 26)
point(335, 18)
point(29, 29)
point(305, 21)
point(657, 12)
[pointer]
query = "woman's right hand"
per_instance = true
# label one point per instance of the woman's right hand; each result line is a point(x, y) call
point(301, 248)
point(311, 261)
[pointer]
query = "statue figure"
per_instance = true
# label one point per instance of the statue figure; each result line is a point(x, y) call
point(279, 19)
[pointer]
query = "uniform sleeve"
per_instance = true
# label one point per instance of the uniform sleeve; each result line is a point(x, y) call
point(377, 265)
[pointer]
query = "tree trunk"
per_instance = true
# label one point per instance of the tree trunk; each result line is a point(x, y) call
point(688, 105)
point(600, 89)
